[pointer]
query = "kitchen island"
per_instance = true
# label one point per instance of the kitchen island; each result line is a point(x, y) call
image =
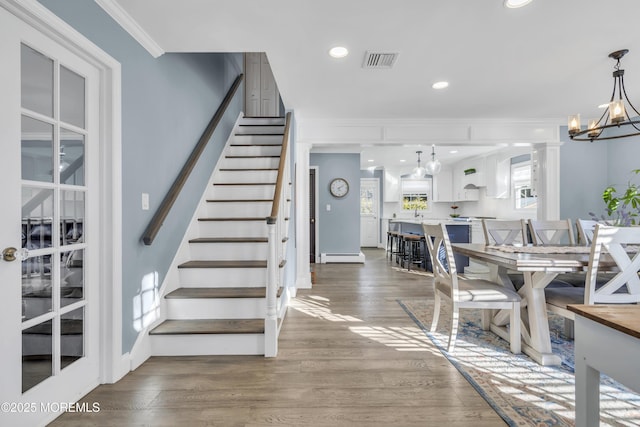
point(459, 232)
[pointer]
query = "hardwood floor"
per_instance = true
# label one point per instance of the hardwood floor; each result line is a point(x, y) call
point(348, 356)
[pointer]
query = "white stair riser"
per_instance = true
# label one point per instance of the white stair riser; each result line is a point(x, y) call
point(222, 277)
point(221, 308)
point(250, 176)
point(200, 344)
point(257, 139)
point(250, 163)
point(228, 251)
point(254, 150)
point(262, 121)
point(269, 129)
point(233, 228)
point(241, 192)
point(239, 209)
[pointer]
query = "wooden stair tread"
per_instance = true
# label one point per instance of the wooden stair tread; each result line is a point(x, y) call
point(260, 134)
point(235, 218)
point(194, 293)
point(244, 183)
point(252, 156)
point(238, 200)
point(248, 169)
point(224, 264)
point(229, 240)
point(209, 326)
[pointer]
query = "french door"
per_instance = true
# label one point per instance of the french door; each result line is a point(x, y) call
point(49, 314)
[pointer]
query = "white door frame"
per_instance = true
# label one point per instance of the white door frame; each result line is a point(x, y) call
point(113, 364)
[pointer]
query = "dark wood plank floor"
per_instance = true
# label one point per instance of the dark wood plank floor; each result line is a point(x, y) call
point(348, 356)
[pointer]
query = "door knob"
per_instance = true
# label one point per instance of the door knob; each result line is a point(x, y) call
point(9, 254)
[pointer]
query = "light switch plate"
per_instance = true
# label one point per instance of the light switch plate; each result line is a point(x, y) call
point(145, 201)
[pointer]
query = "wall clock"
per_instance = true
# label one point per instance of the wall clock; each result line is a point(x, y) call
point(339, 187)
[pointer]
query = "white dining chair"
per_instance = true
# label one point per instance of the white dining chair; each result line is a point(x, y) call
point(469, 293)
point(585, 231)
point(504, 232)
point(549, 232)
point(621, 287)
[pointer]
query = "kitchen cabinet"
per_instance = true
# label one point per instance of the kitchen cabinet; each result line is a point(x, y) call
point(392, 185)
point(498, 177)
point(443, 186)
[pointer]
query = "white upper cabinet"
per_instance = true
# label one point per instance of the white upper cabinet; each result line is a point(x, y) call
point(443, 186)
point(392, 184)
point(497, 177)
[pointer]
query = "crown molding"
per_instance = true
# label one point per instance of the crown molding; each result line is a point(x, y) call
point(131, 26)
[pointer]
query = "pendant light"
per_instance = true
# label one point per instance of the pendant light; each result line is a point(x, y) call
point(433, 166)
point(419, 171)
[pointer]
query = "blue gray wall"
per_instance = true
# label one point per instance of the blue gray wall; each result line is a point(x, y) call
point(587, 168)
point(166, 104)
point(339, 228)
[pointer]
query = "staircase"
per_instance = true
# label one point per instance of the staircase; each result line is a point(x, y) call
point(220, 304)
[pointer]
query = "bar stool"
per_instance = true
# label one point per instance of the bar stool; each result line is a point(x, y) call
point(414, 246)
point(393, 237)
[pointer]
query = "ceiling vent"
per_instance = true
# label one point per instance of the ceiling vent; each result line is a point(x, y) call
point(379, 59)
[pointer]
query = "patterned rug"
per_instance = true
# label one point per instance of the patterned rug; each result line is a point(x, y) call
point(521, 391)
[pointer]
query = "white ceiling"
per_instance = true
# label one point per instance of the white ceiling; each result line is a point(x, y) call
point(544, 61)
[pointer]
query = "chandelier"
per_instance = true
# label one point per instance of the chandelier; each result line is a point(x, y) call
point(615, 116)
point(433, 166)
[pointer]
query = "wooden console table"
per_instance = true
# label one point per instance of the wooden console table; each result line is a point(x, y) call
point(607, 340)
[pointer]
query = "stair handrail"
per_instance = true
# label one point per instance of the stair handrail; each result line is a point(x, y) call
point(167, 203)
point(277, 193)
point(276, 231)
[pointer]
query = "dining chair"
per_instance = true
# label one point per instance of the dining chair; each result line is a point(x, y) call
point(621, 287)
point(549, 232)
point(585, 231)
point(469, 293)
point(504, 232)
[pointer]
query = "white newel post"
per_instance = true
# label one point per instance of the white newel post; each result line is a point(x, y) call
point(271, 319)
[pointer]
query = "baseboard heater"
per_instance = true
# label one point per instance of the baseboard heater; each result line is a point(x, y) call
point(345, 258)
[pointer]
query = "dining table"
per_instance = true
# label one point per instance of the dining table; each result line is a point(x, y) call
point(539, 265)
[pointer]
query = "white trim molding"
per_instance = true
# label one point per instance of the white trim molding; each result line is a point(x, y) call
point(131, 26)
point(452, 132)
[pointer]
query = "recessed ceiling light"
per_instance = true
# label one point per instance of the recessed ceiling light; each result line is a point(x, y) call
point(370, 160)
point(601, 106)
point(338, 52)
point(440, 85)
point(514, 4)
point(453, 151)
point(402, 160)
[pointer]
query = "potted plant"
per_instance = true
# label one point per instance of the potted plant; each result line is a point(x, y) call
point(454, 214)
point(624, 209)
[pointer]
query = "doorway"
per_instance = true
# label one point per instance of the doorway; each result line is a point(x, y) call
point(313, 225)
point(369, 212)
point(262, 98)
point(54, 148)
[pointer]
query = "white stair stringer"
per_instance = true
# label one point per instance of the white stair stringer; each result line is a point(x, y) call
point(227, 250)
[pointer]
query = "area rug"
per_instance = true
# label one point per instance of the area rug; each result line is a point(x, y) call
point(521, 391)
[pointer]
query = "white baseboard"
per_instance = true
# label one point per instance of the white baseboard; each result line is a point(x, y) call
point(342, 258)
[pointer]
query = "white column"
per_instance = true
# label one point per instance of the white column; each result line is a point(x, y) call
point(303, 273)
point(546, 173)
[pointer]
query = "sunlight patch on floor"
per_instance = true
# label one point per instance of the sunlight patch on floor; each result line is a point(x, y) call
point(319, 307)
point(542, 386)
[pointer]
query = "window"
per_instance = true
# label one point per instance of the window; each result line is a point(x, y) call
point(416, 194)
point(521, 181)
